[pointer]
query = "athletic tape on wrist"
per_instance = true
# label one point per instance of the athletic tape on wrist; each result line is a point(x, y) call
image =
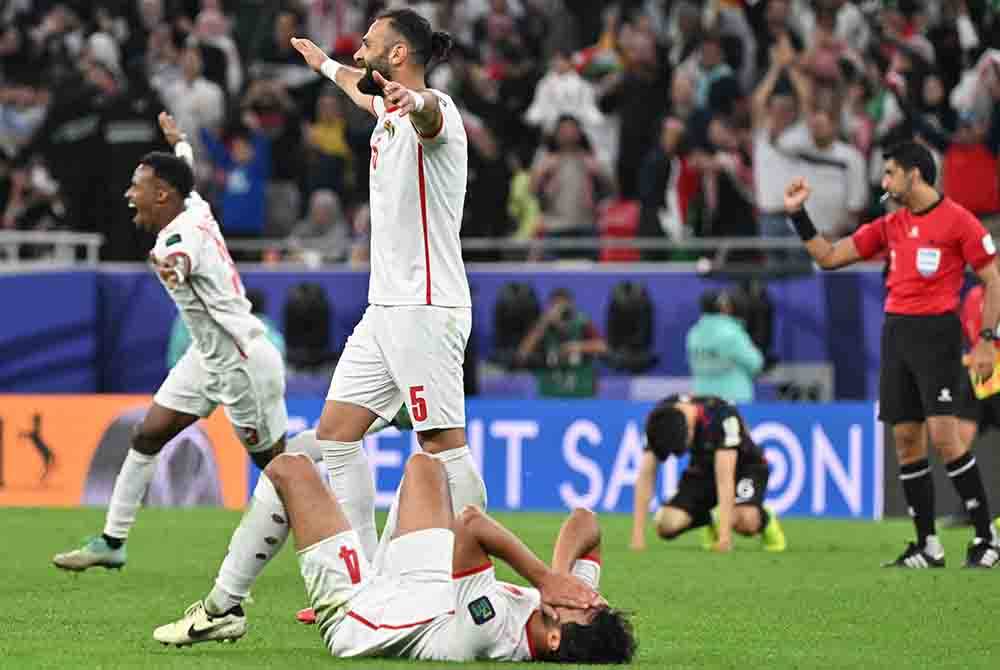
point(803, 225)
point(329, 68)
point(418, 101)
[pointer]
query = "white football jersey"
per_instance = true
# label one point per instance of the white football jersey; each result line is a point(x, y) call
point(491, 618)
point(211, 298)
point(417, 194)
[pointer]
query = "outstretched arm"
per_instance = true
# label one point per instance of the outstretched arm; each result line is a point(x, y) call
point(345, 77)
point(828, 255)
point(175, 138)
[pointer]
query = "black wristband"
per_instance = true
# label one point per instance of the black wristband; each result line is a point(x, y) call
point(803, 224)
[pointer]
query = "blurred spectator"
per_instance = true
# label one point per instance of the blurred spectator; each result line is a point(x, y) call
point(336, 25)
point(330, 157)
point(485, 214)
point(970, 171)
point(667, 184)
point(194, 101)
point(245, 165)
point(834, 169)
point(277, 50)
point(562, 346)
point(774, 23)
point(848, 21)
point(637, 96)
point(568, 176)
point(22, 110)
point(706, 66)
point(280, 121)
point(324, 236)
point(722, 357)
point(130, 130)
point(180, 336)
point(773, 111)
point(361, 246)
point(725, 203)
point(562, 91)
point(211, 31)
point(522, 203)
point(163, 58)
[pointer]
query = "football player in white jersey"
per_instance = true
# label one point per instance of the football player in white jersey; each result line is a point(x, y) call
point(436, 596)
point(409, 346)
point(231, 363)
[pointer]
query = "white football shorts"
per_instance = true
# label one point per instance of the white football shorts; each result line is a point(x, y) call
point(407, 354)
point(361, 613)
point(252, 393)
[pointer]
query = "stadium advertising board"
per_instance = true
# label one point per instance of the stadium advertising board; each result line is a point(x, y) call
point(66, 450)
point(826, 460)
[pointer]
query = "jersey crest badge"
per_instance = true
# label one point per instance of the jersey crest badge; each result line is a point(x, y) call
point(173, 239)
point(481, 610)
point(389, 128)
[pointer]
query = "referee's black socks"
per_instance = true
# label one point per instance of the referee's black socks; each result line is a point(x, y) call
point(964, 474)
point(918, 489)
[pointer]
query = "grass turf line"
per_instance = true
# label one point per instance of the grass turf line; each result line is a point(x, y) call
point(824, 603)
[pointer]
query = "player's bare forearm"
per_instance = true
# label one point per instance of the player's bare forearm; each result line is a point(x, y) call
point(345, 77)
point(643, 494)
point(579, 536)
point(832, 255)
point(983, 353)
point(827, 255)
point(725, 482)
point(499, 542)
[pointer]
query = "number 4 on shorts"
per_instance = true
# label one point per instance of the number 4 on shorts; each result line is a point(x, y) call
point(418, 406)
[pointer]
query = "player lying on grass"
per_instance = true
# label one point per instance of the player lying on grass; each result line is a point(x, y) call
point(726, 469)
point(437, 596)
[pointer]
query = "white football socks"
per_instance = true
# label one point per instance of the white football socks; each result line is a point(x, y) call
point(259, 537)
point(351, 483)
point(130, 488)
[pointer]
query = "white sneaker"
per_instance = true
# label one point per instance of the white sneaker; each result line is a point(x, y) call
point(197, 625)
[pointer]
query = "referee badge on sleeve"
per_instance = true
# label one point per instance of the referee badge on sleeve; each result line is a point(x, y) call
point(928, 261)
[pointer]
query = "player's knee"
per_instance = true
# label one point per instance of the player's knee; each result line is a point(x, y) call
point(746, 521)
point(286, 467)
point(149, 439)
point(909, 442)
point(423, 466)
point(668, 526)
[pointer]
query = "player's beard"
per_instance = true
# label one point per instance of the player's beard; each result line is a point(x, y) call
point(367, 84)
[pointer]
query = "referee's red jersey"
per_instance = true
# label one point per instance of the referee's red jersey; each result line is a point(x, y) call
point(927, 255)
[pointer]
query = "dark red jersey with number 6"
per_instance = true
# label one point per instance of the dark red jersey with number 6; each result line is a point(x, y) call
point(927, 255)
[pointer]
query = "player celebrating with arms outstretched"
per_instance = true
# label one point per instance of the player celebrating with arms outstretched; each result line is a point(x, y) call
point(409, 346)
point(232, 362)
point(929, 241)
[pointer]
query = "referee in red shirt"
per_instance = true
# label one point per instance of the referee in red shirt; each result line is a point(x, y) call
point(929, 240)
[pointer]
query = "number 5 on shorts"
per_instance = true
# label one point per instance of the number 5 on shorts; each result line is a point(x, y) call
point(418, 406)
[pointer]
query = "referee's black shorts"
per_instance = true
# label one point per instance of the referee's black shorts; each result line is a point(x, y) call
point(921, 367)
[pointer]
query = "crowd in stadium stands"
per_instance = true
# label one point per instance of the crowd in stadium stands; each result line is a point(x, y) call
point(650, 118)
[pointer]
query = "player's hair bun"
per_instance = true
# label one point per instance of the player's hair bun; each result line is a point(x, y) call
point(441, 44)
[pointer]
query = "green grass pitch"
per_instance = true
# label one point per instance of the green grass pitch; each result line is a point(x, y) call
point(824, 603)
